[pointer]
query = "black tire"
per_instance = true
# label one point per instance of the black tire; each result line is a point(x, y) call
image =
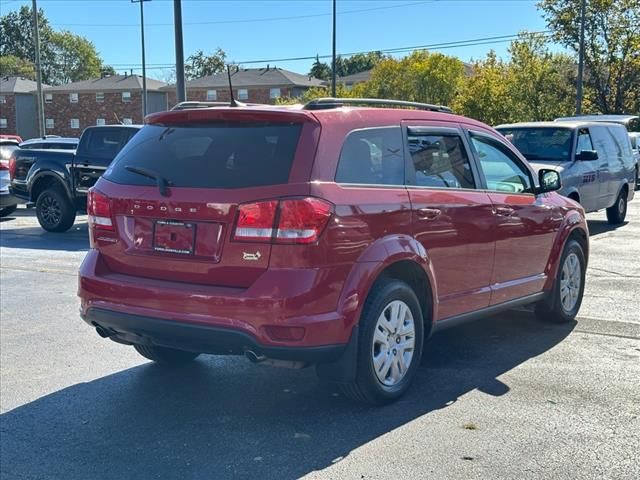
point(165, 356)
point(55, 211)
point(552, 308)
point(617, 213)
point(6, 211)
point(367, 387)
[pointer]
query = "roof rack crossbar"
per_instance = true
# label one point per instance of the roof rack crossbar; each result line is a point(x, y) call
point(329, 102)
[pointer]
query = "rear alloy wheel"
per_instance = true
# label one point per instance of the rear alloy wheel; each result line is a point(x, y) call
point(55, 211)
point(8, 210)
point(617, 213)
point(565, 299)
point(389, 344)
point(164, 355)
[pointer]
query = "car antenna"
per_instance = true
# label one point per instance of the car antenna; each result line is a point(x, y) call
point(233, 102)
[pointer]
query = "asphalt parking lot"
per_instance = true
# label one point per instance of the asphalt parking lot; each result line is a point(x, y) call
point(505, 397)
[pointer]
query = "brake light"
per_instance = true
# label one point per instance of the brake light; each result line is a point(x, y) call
point(255, 221)
point(99, 210)
point(302, 220)
point(12, 166)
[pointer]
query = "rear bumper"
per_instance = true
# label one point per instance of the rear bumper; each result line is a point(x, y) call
point(128, 328)
point(232, 319)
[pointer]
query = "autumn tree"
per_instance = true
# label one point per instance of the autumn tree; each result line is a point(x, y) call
point(200, 64)
point(612, 48)
point(10, 65)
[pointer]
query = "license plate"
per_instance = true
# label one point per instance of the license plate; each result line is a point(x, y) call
point(174, 237)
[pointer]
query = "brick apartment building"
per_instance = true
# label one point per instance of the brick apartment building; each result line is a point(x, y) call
point(70, 108)
point(18, 107)
point(251, 85)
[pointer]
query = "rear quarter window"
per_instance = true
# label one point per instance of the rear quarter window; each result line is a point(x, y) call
point(224, 155)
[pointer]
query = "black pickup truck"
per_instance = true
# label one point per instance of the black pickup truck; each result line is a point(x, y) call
point(57, 181)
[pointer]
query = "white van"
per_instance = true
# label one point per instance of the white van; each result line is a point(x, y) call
point(594, 159)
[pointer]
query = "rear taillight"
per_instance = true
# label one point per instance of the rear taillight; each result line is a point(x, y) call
point(299, 221)
point(12, 167)
point(99, 210)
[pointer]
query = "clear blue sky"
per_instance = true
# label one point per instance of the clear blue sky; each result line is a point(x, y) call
point(250, 30)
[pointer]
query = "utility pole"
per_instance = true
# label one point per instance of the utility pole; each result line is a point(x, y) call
point(583, 9)
point(36, 41)
point(333, 55)
point(144, 65)
point(181, 93)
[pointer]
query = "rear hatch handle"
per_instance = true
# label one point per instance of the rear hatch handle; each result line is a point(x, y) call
point(163, 183)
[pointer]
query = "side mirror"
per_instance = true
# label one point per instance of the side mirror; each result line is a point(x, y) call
point(549, 181)
point(587, 155)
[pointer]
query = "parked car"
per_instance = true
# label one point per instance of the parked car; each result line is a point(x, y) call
point(594, 160)
point(57, 181)
point(50, 143)
point(8, 203)
point(315, 236)
point(16, 138)
point(635, 146)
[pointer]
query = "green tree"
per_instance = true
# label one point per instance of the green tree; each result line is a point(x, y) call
point(540, 84)
point(484, 95)
point(76, 58)
point(360, 62)
point(10, 65)
point(320, 70)
point(612, 48)
point(201, 65)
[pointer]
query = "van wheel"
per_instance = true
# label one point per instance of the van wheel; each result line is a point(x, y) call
point(166, 356)
point(390, 340)
point(55, 211)
point(617, 213)
point(565, 299)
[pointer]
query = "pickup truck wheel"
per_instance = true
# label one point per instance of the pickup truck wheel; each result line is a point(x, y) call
point(8, 210)
point(166, 356)
point(617, 213)
point(389, 344)
point(565, 299)
point(55, 211)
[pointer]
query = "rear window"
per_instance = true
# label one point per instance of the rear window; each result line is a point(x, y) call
point(6, 151)
point(546, 143)
point(210, 156)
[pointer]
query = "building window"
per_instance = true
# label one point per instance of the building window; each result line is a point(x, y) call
point(212, 95)
point(3, 99)
point(73, 97)
point(274, 93)
point(49, 123)
point(127, 121)
point(75, 123)
point(48, 97)
point(3, 123)
point(126, 97)
point(243, 94)
point(100, 122)
point(99, 96)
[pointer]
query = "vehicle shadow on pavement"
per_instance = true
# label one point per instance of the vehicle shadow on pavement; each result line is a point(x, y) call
point(36, 238)
point(598, 227)
point(225, 418)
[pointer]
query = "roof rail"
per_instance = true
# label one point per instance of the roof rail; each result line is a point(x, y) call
point(327, 103)
point(191, 104)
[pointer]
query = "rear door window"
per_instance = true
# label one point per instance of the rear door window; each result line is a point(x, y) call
point(440, 161)
point(106, 142)
point(210, 156)
point(372, 156)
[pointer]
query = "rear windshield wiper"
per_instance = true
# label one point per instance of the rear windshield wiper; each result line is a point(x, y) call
point(163, 183)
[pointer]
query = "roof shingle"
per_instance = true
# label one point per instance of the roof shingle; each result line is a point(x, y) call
point(109, 83)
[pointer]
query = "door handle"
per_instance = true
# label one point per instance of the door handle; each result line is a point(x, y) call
point(504, 211)
point(428, 213)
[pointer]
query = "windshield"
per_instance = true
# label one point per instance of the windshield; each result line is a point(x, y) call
point(209, 156)
point(544, 143)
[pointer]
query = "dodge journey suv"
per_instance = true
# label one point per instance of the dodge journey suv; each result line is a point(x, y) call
point(333, 234)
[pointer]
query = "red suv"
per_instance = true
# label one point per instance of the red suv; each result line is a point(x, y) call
point(333, 235)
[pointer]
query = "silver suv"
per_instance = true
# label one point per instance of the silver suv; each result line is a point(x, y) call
point(594, 159)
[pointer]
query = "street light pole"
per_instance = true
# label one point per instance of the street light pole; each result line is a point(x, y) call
point(144, 65)
point(333, 55)
point(36, 41)
point(583, 9)
point(181, 94)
